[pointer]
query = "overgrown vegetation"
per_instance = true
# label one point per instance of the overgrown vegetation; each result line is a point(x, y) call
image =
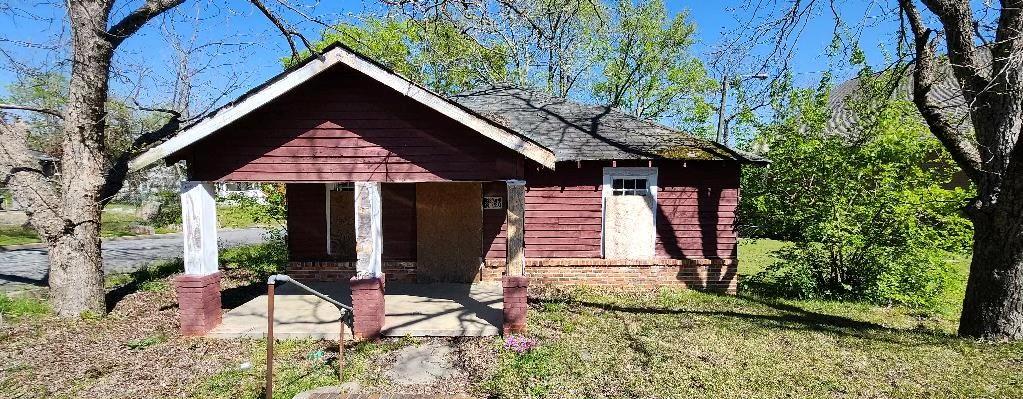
point(871, 214)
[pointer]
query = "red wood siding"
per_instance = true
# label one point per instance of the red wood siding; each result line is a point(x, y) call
point(563, 216)
point(307, 221)
point(696, 210)
point(343, 126)
point(399, 221)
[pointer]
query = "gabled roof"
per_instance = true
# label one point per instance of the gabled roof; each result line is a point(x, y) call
point(539, 127)
point(576, 131)
point(337, 54)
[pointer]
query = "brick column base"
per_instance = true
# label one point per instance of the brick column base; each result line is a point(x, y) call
point(198, 302)
point(368, 302)
point(515, 306)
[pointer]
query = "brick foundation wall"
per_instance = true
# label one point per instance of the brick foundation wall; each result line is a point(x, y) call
point(402, 272)
point(368, 303)
point(716, 275)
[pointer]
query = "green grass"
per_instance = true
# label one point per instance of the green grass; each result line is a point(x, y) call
point(120, 219)
point(17, 235)
point(672, 343)
point(16, 308)
point(236, 216)
point(299, 365)
point(755, 254)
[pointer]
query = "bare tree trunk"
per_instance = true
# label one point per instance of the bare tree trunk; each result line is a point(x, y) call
point(993, 306)
point(76, 267)
point(76, 272)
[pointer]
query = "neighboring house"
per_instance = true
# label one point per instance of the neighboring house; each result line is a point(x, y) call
point(945, 93)
point(386, 179)
point(241, 189)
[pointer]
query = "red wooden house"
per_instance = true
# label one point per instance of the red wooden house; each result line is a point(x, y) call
point(386, 179)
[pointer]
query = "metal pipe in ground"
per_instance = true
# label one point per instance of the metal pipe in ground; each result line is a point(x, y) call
point(270, 340)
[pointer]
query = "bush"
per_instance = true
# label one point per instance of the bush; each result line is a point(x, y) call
point(870, 213)
point(877, 274)
point(169, 209)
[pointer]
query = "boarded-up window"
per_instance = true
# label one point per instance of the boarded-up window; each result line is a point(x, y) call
point(341, 218)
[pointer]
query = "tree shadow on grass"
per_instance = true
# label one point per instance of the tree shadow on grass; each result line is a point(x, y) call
point(778, 315)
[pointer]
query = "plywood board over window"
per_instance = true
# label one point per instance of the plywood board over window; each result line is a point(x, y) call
point(341, 216)
point(630, 207)
point(449, 227)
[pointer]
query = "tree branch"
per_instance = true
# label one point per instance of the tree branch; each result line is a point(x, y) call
point(957, 19)
point(134, 21)
point(287, 32)
point(33, 109)
point(964, 150)
point(119, 166)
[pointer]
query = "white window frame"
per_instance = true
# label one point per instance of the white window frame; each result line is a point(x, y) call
point(611, 173)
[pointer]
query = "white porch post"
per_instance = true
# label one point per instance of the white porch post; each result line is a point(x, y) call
point(199, 227)
point(369, 241)
point(515, 258)
point(199, 288)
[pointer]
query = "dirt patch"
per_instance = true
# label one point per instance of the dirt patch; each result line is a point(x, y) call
point(135, 351)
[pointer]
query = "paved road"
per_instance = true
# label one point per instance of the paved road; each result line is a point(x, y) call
point(28, 266)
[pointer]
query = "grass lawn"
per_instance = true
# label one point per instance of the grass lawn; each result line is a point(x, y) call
point(592, 343)
point(119, 220)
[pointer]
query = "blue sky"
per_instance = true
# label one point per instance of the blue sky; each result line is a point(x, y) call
point(255, 48)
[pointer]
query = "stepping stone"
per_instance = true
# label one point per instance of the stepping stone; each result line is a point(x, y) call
point(421, 365)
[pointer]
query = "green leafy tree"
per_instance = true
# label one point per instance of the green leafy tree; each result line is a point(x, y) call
point(870, 215)
point(435, 53)
point(647, 68)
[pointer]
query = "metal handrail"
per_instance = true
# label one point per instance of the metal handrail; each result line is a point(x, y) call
point(346, 318)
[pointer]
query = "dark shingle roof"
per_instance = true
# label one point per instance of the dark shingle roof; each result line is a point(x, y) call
point(576, 131)
point(946, 93)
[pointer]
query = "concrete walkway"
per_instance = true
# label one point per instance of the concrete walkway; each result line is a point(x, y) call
point(24, 268)
point(421, 310)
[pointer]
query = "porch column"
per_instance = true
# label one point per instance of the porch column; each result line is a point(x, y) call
point(514, 281)
point(368, 283)
point(199, 288)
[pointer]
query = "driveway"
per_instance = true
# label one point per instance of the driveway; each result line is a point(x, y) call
point(22, 267)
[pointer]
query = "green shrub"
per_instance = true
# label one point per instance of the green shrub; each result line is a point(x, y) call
point(169, 212)
point(870, 213)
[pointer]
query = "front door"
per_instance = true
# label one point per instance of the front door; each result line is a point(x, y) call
point(449, 232)
point(630, 208)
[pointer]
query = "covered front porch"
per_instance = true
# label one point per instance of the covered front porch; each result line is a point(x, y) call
point(445, 295)
point(433, 310)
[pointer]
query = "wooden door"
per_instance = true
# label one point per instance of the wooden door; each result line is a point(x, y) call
point(449, 228)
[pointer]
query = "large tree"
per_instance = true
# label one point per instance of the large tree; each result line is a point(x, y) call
point(990, 156)
point(66, 210)
point(980, 45)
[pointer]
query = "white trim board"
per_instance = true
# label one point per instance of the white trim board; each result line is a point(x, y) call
point(289, 80)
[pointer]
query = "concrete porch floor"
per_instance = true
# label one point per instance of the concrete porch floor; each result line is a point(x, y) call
point(421, 310)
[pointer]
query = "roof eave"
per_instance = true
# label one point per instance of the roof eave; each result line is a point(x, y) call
point(333, 55)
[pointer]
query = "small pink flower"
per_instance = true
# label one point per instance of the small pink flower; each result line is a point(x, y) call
point(519, 344)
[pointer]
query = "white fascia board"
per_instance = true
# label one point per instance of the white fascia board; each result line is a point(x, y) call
point(292, 79)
